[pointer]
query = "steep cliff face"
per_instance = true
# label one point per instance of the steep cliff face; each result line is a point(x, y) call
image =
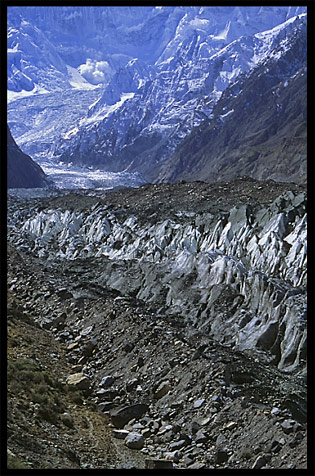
point(22, 171)
point(259, 125)
point(232, 266)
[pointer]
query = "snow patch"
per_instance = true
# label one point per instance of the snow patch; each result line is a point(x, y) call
point(199, 23)
point(224, 116)
point(107, 110)
point(14, 95)
point(224, 33)
point(70, 133)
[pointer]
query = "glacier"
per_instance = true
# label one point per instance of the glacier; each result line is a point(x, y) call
point(251, 256)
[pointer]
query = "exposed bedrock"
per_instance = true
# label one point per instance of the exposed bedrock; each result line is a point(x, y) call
point(238, 275)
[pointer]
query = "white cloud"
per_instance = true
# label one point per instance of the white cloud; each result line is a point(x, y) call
point(95, 72)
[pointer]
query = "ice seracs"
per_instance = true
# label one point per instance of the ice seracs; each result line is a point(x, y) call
point(255, 259)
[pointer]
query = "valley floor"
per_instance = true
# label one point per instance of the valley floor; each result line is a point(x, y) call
point(79, 351)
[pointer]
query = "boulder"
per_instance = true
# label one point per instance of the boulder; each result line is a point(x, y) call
point(132, 384)
point(89, 347)
point(261, 461)
point(105, 406)
point(78, 381)
point(177, 445)
point(72, 345)
point(158, 464)
point(67, 419)
point(134, 441)
point(221, 456)
point(201, 437)
point(107, 381)
point(162, 390)
point(64, 293)
point(288, 425)
point(197, 465)
point(198, 403)
point(121, 416)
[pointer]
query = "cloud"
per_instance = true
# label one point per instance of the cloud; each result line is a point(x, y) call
point(95, 72)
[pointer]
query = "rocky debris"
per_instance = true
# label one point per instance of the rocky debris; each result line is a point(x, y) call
point(141, 347)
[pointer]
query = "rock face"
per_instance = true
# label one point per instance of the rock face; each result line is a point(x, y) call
point(259, 125)
point(256, 119)
point(22, 171)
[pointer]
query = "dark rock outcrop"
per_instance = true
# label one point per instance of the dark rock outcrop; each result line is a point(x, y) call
point(121, 416)
point(22, 171)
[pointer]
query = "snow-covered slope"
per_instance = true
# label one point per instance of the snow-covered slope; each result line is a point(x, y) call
point(158, 72)
point(176, 96)
point(33, 62)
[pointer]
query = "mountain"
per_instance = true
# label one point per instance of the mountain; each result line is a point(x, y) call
point(134, 83)
point(22, 171)
point(259, 124)
point(144, 115)
point(47, 40)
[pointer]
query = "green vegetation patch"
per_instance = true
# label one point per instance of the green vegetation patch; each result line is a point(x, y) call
point(26, 377)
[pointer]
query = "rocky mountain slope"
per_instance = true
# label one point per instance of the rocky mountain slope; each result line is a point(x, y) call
point(22, 171)
point(259, 125)
point(179, 312)
point(144, 115)
point(131, 94)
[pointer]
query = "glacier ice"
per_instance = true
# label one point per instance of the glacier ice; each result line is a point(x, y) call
point(258, 257)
